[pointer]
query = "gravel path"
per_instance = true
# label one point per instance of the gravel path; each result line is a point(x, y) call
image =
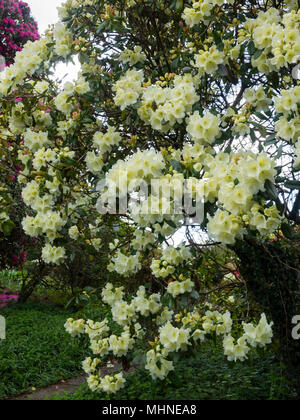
point(69, 385)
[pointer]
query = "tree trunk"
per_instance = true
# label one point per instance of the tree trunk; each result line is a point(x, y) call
point(27, 290)
point(29, 286)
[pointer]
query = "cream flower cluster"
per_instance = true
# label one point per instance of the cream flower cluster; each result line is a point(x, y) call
point(174, 339)
point(89, 365)
point(65, 127)
point(120, 346)
point(241, 125)
point(96, 330)
point(133, 56)
point(63, 40)
point(53, 255)
point(157, 364)
point(152, 211)
point(162, 107)
point(162, 210)
point(20, 119)
point(30, 193)
point(288, 101)
point(26, 63)
point(48, 223)
point(225, 227)
point(203, 130)
point(41, 87)
point(41, 159)
point(278, 37)
point(146, 306)
point(109, 384)
point(69, 5)
point(64, 101)
point(105, 142)
point(288, 130)
point(44, 156)
point(143, 240)
point(177, 288)
point(207, 61)
point(128, 88)
point(94, 162)
point(201, 11)
point(126, 176)
point(170, 259)
point(288, 104)
point(35, 140)
point(214, 321)
point(165, 316)
point(111, 295)
point(125, 265)
point(236, 179)
point(265, 220)
point(75, 328)
point(261, 335)
point(258, 98)
point(124, 313)
point(74, 233)
point(238, 351)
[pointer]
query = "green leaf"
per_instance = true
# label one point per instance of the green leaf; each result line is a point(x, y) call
point(257, 54)
point(171, 223)
point(271, 190)
point(176, 165)
point(270, 140)
point(7, 227)
point(218, 41)
point(251, 47)
point(252, 135)
point(101, 27)
point(292, 185)
point(287, 231)
point(175, 63)
point(195, 295)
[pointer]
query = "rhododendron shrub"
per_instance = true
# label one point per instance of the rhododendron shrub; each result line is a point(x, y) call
point(174, 100)
point(17, 26)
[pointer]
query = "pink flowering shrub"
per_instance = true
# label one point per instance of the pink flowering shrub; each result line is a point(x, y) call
point(8, 297)
point(17, 26)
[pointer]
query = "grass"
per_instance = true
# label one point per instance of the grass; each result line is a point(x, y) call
point(37, 351)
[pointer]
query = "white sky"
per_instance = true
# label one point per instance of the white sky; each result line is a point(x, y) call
point(45, 13)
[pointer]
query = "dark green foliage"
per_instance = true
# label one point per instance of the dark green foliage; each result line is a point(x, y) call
point(272, 275)
point(37, 351)
point(207, 377)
